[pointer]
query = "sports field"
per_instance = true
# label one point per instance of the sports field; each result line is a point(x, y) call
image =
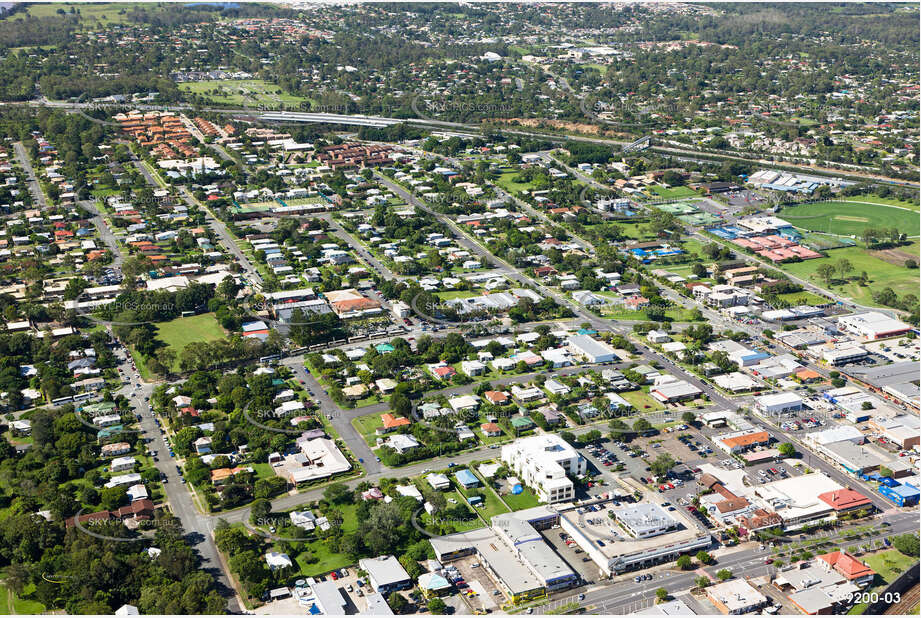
point(850, 218)
point(180, 332)
point(886, 201)
point(882, 274)
point(247, 92)
point(669, 192)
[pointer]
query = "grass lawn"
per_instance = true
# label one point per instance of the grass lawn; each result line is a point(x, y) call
point(850, 217)
point(146, 374)
point(488, 440)
point(630, 229)
point(263, 470)
point(639, 400)
point(492, 504)
point(243, 92)
point(671, 192)
point(803, 298)
point(451, 295)
point(180, 332)
point(889, 563)
point(459, 525)
point(367, 425)
point(525, 500)
point(506, 181)
point(326, 560)
point(881, 273)
point(10, 601)
point(872, 199)
point(619, 313)
point(105, 13)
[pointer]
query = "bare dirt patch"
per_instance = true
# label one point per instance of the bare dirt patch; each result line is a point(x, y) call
point(896, 257)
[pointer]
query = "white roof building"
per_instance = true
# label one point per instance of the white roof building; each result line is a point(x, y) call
point(873, 325)
point(277, 560)
point(543, 463)
point(591, 350)
point(736, 596)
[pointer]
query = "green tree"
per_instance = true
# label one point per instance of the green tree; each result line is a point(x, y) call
point(689, 417)
point(906, 544)
point(437, 607)
point(662, 464)
point(826, 272)
point(112, 497)
point(259, 510)
point(703, 557)
point(661, 594)
point(397, 603)
point(723, 574)
point(844, 267)
point(642, 426)
point(702, 582)
point(412, 567)
point(684, 562)
point(786, 449)
point(338, 493)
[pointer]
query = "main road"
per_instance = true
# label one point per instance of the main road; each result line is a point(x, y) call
point(380, 121)
point(197, 527)
point(23, 158)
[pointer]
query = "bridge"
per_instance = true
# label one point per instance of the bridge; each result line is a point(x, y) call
point(640, 144)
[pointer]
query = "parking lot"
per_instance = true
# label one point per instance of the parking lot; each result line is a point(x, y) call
point(572, 554)
point(744, 198)
point(480, 592)
point(895, 350)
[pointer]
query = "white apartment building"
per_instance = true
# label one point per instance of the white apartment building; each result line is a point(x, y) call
point(543, 463)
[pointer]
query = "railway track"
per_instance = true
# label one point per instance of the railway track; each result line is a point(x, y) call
point(906, 604)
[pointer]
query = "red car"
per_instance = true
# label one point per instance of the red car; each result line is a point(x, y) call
point(334, 576)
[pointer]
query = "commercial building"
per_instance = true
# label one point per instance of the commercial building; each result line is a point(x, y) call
point(848, 567)
point(854, 458)
point(796, 499)
point(675, 607)
point(740, 441)
point(513, 553)
point(735, 597)
point(517, 532)
point(842, 355)
point(898, 381)
point(385, 574)
point(644, 520)
point(543, 463)
point(873, 325)
point(591, 350)
point(834, 434)
point(900, 495)
point(779, 403)
point(674, 391)
point(845, 500)
point(603, 540)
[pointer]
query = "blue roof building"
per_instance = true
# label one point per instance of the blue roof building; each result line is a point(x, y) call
point(901, 495)
point(467, 479)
